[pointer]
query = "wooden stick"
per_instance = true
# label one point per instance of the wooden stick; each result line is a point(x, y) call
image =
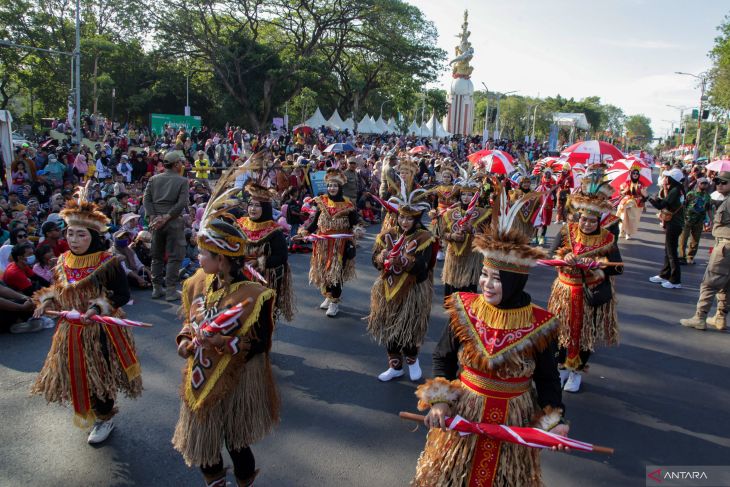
point(419, 418)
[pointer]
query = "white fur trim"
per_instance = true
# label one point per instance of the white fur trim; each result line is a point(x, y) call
point(549, 421)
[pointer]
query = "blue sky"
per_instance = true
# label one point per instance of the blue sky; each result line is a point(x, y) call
point(625, 51)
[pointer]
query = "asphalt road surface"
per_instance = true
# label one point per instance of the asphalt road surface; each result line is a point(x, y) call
point(660, 398)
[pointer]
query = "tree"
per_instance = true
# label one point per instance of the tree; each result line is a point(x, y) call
point(638, 131)
point(719, 89)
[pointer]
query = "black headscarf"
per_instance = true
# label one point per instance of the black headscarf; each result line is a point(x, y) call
point(98, 243)
point(513, 290)
point(266, 212)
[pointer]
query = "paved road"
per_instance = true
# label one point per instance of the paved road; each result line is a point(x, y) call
point(660, 398)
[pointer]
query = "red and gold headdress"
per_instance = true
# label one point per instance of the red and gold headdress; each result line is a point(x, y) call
point(335, 175)
point(505, 248)
point(83, 213)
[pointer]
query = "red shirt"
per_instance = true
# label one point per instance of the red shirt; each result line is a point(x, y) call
point(17, 278)
point(59, 247)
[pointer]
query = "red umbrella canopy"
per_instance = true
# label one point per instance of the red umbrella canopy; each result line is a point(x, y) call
point(620, 172)
point(480, 155)
point(418, 149)
point(719, 165)
point(304, 129)
point(497, 163)
point(596, 150)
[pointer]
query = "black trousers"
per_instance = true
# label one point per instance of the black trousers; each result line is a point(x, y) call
point(244, 464)
point(334, 291)
point(671, 270)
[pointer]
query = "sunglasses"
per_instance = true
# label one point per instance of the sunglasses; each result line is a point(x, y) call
point(719, 181)
point(22, 235)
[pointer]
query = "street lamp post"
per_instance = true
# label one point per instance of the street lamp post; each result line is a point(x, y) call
point(681, 119)
point(702, 78)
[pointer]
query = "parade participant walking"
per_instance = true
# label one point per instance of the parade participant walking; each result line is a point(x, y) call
point(671, 217)
point(407, 171)
point(582, 296)
point(697, 209)
point(631, 206)
point(547, 187)
point(228, 393)
point(462, 223)
point(502, 348)
point(565, 185)
point(266, 248)
point(165, 198)
point(400, 303)
point(88, 363)
point(716, 281)
point(333, 259)
point(446, 196)
point(531, 201)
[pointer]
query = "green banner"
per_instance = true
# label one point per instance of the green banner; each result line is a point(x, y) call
point(159, 120)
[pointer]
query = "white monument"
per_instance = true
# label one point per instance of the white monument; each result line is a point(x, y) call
point(460, 119)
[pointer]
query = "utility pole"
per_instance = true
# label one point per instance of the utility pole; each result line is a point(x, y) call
point(77, 64)
point(702, 78)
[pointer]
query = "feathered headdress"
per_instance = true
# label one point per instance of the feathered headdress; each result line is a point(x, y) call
point(84, 213)
point(259, 192)
point(335, 175)
point(595, 184)
point(505, 248)
point(215, 235)
point(466, 179)
point(410, 204)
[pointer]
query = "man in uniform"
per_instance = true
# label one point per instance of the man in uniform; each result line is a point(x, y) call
point(165, 198)
point(716, 281)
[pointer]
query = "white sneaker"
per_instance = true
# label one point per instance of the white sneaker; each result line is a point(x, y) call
point(564, 373)
point(414, 371)
point(100, 431)
point(573, 382)
point(391, 373)
point(657, 279)
point(440, 255)
point(332, 310)
point(669, 285)
point(325, 304)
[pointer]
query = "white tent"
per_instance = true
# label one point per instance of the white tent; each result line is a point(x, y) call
point(392, 127)
point(382, 126)
point(6, 141)
point(365, 126)
point(349, 124)
point(577, 120)
point(440, 131)
point(316, 120)
point(336, 121)
point(414, 129)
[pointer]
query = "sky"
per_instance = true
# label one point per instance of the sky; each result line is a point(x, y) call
point(624, 51)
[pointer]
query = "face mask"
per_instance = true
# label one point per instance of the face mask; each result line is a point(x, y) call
point(30, 260)
point(122, 242)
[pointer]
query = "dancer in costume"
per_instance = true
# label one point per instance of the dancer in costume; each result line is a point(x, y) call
point(400, 303)
point(547, 187)
point(462, 223)
point(525, 219)
point(228, 393)
point(333, 260)
point(631, 206)
point(584, 299)
point(266, 248)
point(89, 362)
point(407, 171)
point(565, 185)
point(502, 348)
point(446, 196)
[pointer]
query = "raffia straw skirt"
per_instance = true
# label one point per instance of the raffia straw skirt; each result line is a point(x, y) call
point(403, 321)
point(447, 458)
point(241, 418)
point(462, 271)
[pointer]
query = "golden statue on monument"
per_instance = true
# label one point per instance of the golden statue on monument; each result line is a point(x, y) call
point(464, 52)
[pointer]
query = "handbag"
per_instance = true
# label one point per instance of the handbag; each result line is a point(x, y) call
point(666, 215)
point(599, 294)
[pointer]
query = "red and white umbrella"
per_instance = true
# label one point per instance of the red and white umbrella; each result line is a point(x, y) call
point(719, 165)
point(497, 162)
point(593, 151)
point(621, 170)
point(418, 149)
point(479, 155)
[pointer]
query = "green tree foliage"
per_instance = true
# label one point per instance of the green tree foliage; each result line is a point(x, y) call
point(638, 131)
point(719, 90)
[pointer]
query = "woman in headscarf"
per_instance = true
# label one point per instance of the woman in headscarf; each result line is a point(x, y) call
point(229, 394)
point(88, 363)
point(494, 363)
point(266, 248)
point(631, 206)
point(671, 217)
point(446, 195)
point(333, 260)
point(582, 297)
point(400, 302)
